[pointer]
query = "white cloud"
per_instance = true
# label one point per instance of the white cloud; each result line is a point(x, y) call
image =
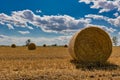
point(60, 40)
point(3, 36)
point(108, 29)
point(38, 11)
point(104, 10)
point(10, 26)
point(24, 32)
point(30, 27)
point(24, 15)
point(98, 17)
point(53, 23)
point(63, 24)
point(103, 5)
point(8, 40)
point(115, 22)
point(112, 21)
point(1, 23)
point(17, 19)
point(86, 1)
point(119, 33)
point(116, 14)
point(59, 23)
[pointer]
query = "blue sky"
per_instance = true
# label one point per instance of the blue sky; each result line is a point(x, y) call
point(55, 21)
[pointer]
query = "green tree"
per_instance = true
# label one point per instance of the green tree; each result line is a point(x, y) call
point(28, 42)
point(115, 40)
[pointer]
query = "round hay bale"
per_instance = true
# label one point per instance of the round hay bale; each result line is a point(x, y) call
point(65, 45)
point(90, 45)
point(32, 46)
point(13, 46)
point(44, 45)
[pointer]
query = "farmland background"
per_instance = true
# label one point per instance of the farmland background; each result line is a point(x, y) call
point(53, 63)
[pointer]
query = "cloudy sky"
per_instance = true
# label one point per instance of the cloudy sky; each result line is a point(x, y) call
point(55, 21)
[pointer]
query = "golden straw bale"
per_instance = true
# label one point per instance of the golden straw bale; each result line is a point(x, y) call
point(90, 45)
point(44, 45)
point(32, 46)
point(13, 46)
point(65, 45)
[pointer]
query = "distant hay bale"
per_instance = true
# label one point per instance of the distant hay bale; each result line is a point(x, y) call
point(65, 45)
point(13, 46)
point(31, 46)
point(90, 45)
point(44, 45)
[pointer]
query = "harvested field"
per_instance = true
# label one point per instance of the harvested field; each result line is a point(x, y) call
point(53, 63)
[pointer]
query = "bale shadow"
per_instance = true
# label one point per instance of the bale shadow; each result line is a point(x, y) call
point(95, 66)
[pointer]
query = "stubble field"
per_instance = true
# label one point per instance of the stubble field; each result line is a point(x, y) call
point(53, 63)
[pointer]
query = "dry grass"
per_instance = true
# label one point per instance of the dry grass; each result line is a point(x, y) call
point(53, 63)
